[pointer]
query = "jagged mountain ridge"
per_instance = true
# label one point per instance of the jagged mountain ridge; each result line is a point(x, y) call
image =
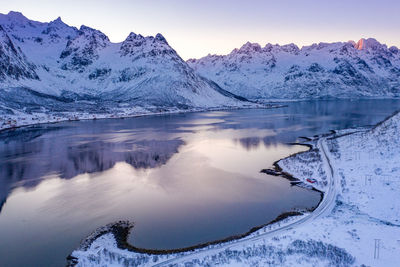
point(63, 65)
point(324, 70)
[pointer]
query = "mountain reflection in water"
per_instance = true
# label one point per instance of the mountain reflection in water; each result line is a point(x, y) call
point(29, 154)
point(183, 178)
point(27, 162)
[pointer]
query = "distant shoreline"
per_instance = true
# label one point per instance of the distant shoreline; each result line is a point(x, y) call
point(87, 117)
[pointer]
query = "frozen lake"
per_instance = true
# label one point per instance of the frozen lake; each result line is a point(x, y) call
point(183, 179)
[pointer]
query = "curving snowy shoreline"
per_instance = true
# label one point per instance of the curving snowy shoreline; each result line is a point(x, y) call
point(357, 226)
point(112, 239)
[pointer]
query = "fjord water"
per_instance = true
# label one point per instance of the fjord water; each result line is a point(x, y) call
point(182, 179)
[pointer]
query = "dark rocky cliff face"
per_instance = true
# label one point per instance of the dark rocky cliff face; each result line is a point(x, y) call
point(13, 63)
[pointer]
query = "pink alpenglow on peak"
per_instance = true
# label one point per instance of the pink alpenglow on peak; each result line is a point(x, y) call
point(365, 44)
point(322, 70)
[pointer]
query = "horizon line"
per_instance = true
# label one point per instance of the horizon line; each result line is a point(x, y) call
point(11, 12)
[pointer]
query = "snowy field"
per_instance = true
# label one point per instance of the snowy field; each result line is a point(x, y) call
point(356, 224)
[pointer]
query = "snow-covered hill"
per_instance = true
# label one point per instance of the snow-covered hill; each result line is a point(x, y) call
point(344, 70)
point(56, 67)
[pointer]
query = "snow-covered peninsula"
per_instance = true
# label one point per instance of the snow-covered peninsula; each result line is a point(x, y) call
point(356, 223)
point(199, 133)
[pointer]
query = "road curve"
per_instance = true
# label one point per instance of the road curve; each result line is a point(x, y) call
point(324, 208)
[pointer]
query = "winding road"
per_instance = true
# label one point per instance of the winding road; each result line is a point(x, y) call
point(324, 208)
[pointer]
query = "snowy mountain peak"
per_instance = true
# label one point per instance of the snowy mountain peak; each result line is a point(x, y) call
point(133, 36)
point(360, 44)
point(138, 39)
point(250, 47)
point(352, 42)
point(269, 47)
point(58, 28)
point(16, 16)
point(93, 33)
point(17, 20)
point(161, 38)
point(340, 69)
point(59, 64)
point(58, 22)
point(290, 48)
point(369, 44)
point(84, 49)
point(138, 46)
point(133, 39)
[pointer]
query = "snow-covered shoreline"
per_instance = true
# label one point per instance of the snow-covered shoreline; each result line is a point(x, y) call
point(357, 169)
point(24, 120)
point(57, 69)
point(119, 232)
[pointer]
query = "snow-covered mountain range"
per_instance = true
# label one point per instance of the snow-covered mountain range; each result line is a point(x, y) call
point(52, 71)
point(343, 69)
point(55, 67)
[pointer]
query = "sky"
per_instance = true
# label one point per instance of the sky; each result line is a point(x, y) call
point(195, 28)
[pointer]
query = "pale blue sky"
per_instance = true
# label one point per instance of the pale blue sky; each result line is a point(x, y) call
point(198, 27)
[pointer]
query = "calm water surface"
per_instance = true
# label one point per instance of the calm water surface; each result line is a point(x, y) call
point(183, 179)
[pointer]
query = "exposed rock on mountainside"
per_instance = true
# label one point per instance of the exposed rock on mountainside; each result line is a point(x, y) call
point(13, 62)
point(81, 70)
point(324, 70)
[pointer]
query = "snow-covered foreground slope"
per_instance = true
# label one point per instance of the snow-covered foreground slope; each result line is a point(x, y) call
point(343, 69)
point(48, 69)
point(356, 224)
